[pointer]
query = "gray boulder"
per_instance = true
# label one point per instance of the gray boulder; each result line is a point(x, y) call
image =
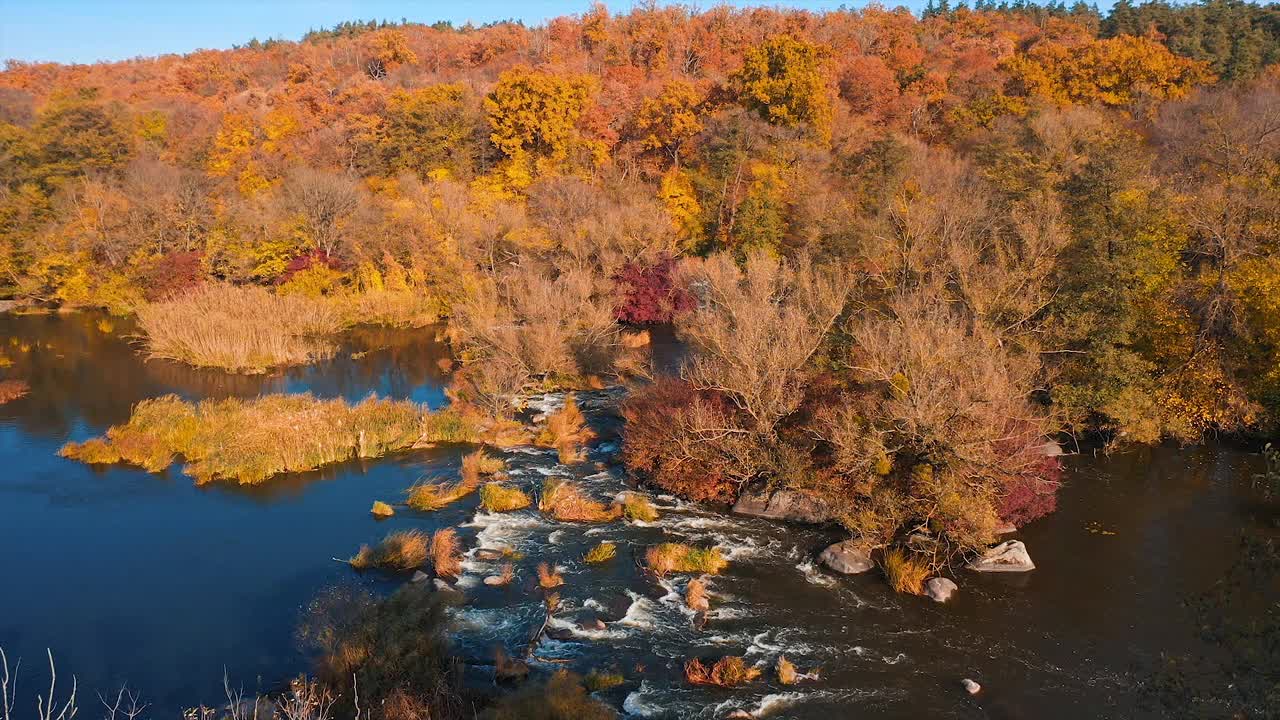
point(939, 589)
point(970, 686)
point(419, 577)
point(846, 557)
point(1008, 556)
point(788, 505)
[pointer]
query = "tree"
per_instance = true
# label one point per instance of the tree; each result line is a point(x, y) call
point(423, 130)
point(325, 203)
point(783, 80)
point(667, 122)
point(535, 116)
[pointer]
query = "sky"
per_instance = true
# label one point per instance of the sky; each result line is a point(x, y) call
point(85, 31)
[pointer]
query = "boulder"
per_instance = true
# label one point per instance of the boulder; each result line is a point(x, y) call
point(846, 557)
point(939, 589)
point(739, 715)
point(1008, 556)
point(495, 580)
point(789, 505)
point(591, 624)
point(561, 634)
point(444, 587)
point(1006, 529)
point(970, 686)
point(488, 554)
point(616, 607)
point(419, 577)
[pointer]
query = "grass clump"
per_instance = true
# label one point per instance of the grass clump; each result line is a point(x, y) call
point(566, 431)
point(400, 551)
point(638, 507)
point(477, 464)
point(446, 553)
point(667, 558)
point(728, 671)
point(12, 390)
point(241, 329)
point(603, 552)
point(905, 573)
point(381, 509)
point(786, 670)
point(564, 501)
point(249, 441)
point(496, 497)
point(448, 426)
point(597, 681)
point(549, 577)
point(429, 496)
point(695, 595)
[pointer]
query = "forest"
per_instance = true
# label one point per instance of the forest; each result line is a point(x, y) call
point(906, 253)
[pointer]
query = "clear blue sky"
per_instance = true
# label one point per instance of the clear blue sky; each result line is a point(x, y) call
point(91, 30)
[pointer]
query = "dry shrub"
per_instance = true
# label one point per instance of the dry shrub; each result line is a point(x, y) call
point(381, 509)
point(479, 463)
point(12, 390)
point(603, 552)
point(251, 440)
point(729, 671)
point(446, 554)
point(549, 577)
point(565, 502)
point(787, 674)
point(566, 431)
point(905, 573)
point(496, 497)
point(695, 595)
point(429, 496)
point(638, 507)
point(597, 681)
point(667, 558)
point(241, 329)
point(400, 551)
point(561, 697)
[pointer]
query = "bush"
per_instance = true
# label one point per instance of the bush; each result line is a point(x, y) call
point(648, 294)
point(563, 501)
point(1028, 498)
point(400, 551)
point(446, 556)
point(381, 509)
point(676, 557)
point(566, 431)
point(728, 671)
point(431, 496)
point(638, 507)
point(249, 441)
point(562, 697)
point(905, 573)
point(548, 576)
point(496, 497)
point(603, 552)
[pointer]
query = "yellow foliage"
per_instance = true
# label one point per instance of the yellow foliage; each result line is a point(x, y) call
point(535, 115)
point(784, 81)
point(232, 144)
point(676, 193)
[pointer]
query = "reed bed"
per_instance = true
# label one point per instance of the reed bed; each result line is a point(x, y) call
point(241, 329)
point(728, 671)
point(905, 573)
point(478, 463)
point(249, 441)
point(566, 431)
point(667, 558)
point(12, 390)
point(603, 552)
point(497, 497)
point(400, 551)
point(564, 501)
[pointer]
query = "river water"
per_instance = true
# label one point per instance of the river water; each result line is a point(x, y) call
point(146, 579)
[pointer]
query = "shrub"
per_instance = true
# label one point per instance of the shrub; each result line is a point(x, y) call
point(496, 497)
point(695, 595)
point(728, 671)
point(787, 674)
point(172, 274)
point(478, 463)
point(905, 573)
point(251, 440)
point(446, 557)
point(562, 697)
point(566, 431)
point(667, 558)
point(549, 577)
point(563, 501)
point(648, 294)
point(1028, 498)
point(638, 507)
point(603, 552)
point(427, 496)
point(381, 509)
point(400, 551)
point(597, 681)
point(241, 329)
point(12, 390)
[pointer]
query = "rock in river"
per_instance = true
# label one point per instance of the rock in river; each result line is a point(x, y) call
point(970, 686)
point(940, 589)
point(846, 557)
point(789, 505)
point(1008, 556)
point(419, 577)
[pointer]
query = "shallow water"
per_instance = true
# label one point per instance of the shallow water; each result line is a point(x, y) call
point(147, 579)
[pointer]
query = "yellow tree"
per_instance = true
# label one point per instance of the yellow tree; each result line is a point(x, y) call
point(667, 122)
point(534, 116)
point(783, 81)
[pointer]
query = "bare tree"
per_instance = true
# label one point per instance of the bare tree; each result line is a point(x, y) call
point(325, 202)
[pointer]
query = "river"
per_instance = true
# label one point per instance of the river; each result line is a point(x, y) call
point(147, 579)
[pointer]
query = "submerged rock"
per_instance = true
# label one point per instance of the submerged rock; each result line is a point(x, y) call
point(1008, 556)
point(591, 624)
point(495, 580)
point(561, 634)
point(442, 586)
point(846, 557)
point(940, 589)
point(970, 686)
point(739, 715)
point(488, 554)
point(789, 505)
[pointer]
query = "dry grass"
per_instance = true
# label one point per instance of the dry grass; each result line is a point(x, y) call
point(12, 390)
point(549, 577)
point(695, 595)
point(728, 671)
point(787, 674)
point(431, 495)
point(446, 553)
point(597, 681)
point(905, 573)
point(448, 426)
point(381, 509)
point(477, 464)
point(496, 497)
point(241, 329)
point(638, 507)
point(564, 501)
point(603, 552)
point(667, 558)
point(401, 551)
point(249, 441)
point(566, 431)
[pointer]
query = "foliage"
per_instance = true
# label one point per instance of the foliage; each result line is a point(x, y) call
point(382, 510)
point(562, 697)
point(649, 295)
point(665, 558)
point(566, 502)
point(638, 507)
point(11, 390)
point(566, 431)
point(783, 80)
point(429, 496)
point(1114, 71)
